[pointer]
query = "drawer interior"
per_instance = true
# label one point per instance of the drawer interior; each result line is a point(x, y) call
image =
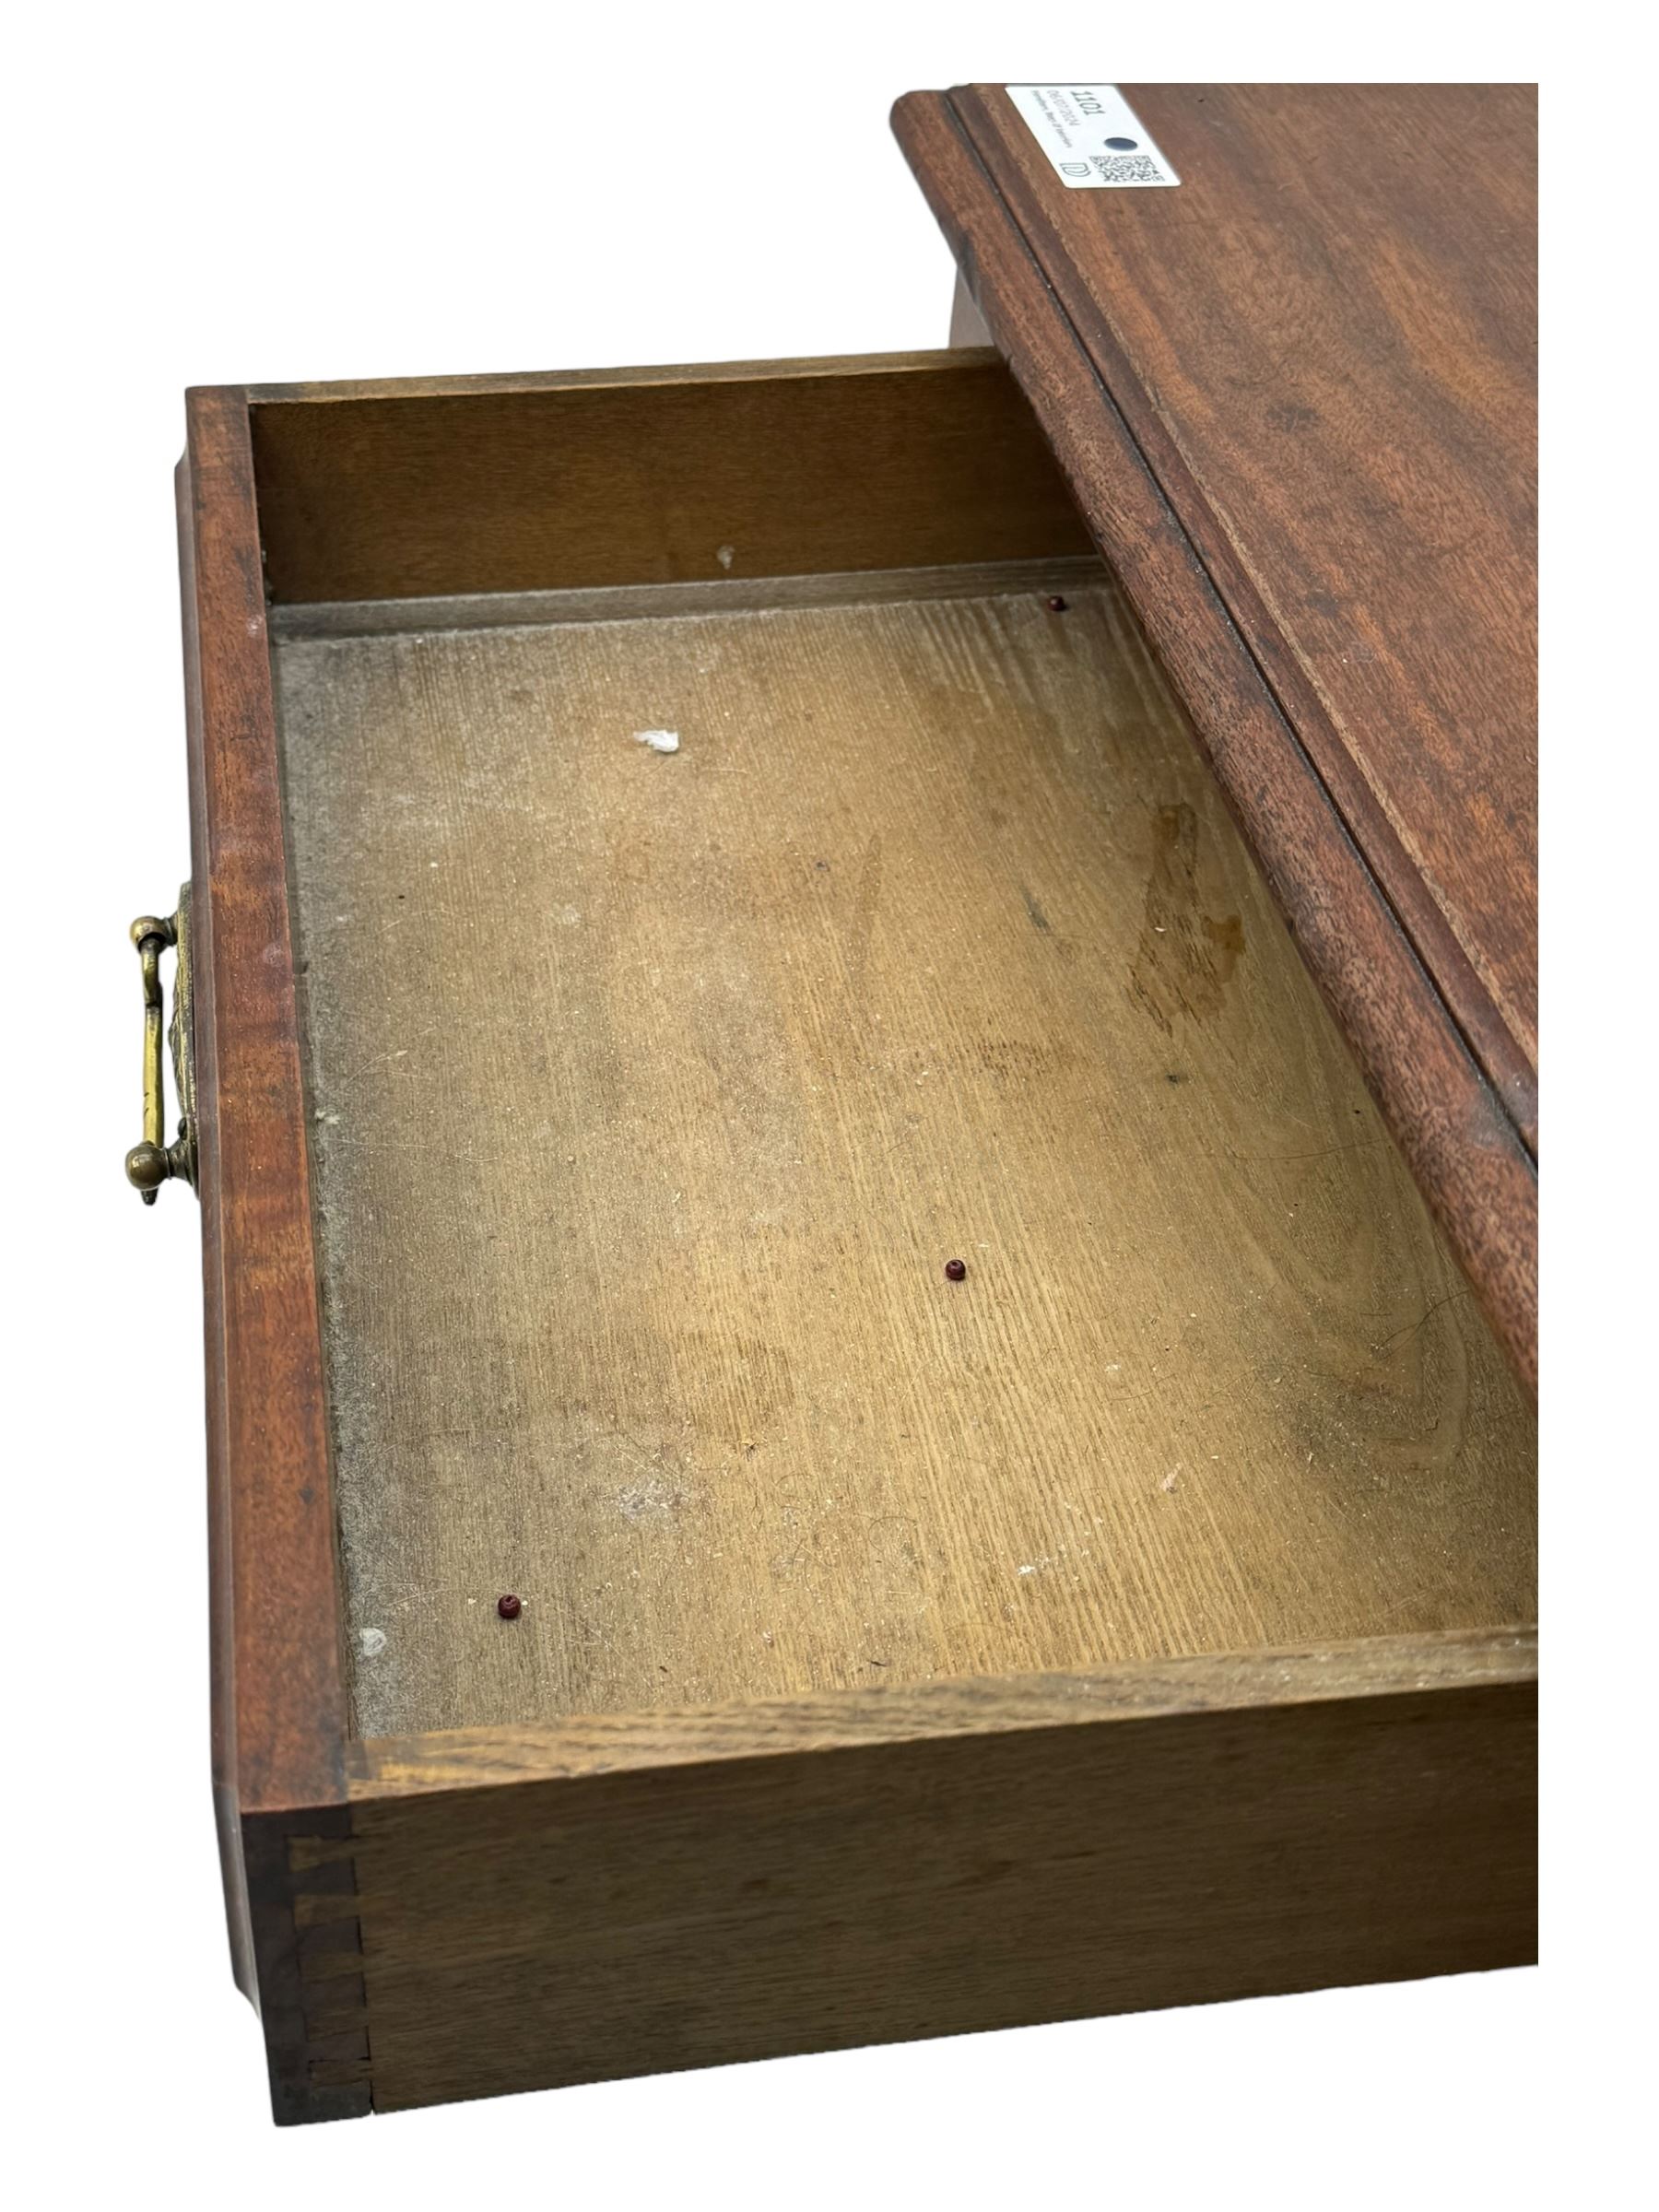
point(652, 1081)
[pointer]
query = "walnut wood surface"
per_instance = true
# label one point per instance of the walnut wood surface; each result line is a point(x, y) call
point(278, 1701)
point(654, 477)
point(661, 1089)
point(275, 1509)
point(688, 1889)
point(1295, 398)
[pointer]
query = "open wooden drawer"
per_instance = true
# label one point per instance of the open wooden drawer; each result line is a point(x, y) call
point(679, 856)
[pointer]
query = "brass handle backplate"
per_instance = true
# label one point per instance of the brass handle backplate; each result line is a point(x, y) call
point(154, 1162)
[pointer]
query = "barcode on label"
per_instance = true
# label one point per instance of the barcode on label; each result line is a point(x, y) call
point(1091, 136)
point(1126, 169)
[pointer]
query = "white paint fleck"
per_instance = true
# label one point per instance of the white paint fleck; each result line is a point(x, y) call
point(660, 741)
point(726, 555)
point(374, 1643)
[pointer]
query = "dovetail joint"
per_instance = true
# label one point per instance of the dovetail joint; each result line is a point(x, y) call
point(328, 1943)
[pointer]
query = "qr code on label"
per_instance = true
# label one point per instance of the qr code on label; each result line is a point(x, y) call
point(1126, 169)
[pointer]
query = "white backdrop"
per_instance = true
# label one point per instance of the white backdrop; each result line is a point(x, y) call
point(205, 194)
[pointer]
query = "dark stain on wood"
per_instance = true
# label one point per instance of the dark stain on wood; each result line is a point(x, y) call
point(1186, 957)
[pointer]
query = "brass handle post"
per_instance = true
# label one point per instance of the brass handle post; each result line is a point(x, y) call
point(154, 1161)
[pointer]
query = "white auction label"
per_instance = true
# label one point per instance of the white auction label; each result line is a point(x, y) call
point(1092, 136)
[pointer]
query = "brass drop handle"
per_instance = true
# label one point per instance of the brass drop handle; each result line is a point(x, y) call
point(154, 1162)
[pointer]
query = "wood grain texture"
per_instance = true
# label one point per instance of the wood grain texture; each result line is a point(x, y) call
point(1328, 339)
point(274, 1514)
point(444, 1761)
point(1293, 399)
point(279, 1702)
point(655, 476)
point(724, 595)
point(1225, 1828)
point(221, 1577)
point(661, 1087)
point(1056, 922)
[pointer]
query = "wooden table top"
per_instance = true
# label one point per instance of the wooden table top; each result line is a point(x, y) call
point(1295, 399)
